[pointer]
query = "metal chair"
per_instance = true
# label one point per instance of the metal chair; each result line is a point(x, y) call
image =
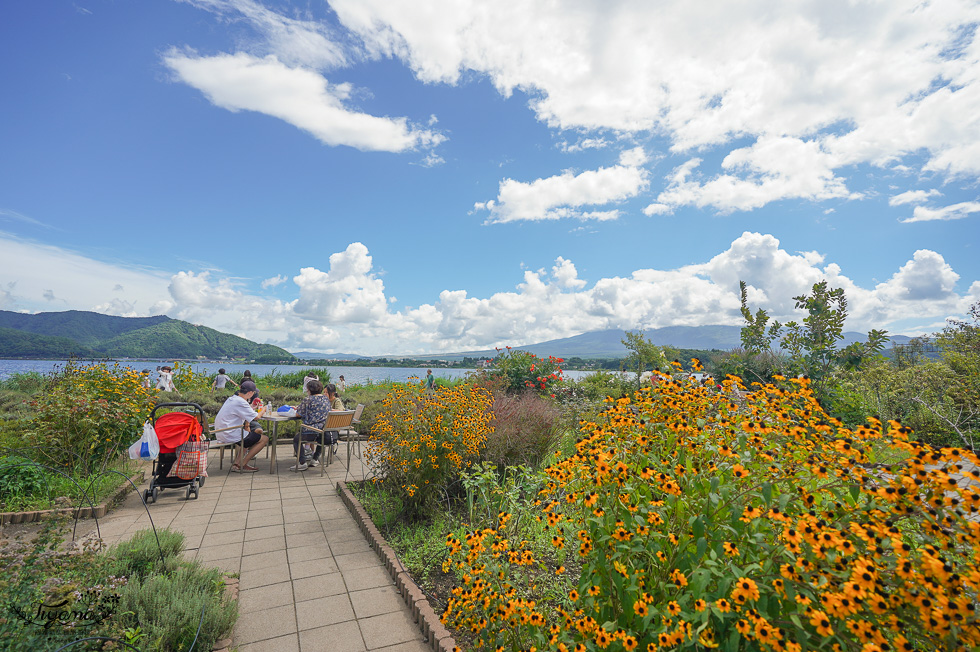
point(351, 435)
point(222, 445)
point(336, 421)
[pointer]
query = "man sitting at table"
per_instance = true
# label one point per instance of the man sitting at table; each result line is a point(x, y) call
point(236, 411)
point(313, 411)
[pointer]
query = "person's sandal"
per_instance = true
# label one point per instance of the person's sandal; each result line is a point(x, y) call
point(235, 468)
point(249, 469)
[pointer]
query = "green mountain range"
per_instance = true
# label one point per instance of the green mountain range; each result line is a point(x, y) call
point(90, 334)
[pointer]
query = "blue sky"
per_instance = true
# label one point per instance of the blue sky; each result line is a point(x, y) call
point(379, 177)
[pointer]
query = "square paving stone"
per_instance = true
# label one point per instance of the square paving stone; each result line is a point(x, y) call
point(222, 517)
point(253, 578)
point(389, 629)
point(307, 539)
point(271, 623)
point(359, 560)
point(313, 568)
point(319, 586)
point(303, 527)
point(265, 597)
point(226, 526)
point(230, 565)
point(225, 538)
point(263, 532)
point(311, 614)
point(376, 601)
point(350, 547)
point(358, 579)
point(264, 545)
point(410, 646)
point(226, 551)
point(341, 637)
point(305, 553)
point(289, 643)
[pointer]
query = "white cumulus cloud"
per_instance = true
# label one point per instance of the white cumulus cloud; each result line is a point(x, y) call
point(565, 195)
point(804, 91)
point(299, 96)
point(953, 212)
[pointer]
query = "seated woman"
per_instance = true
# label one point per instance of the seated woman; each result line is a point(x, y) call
point(331, 437)
point(313, 411)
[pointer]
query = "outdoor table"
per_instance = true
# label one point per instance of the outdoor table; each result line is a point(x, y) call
point(275, 419)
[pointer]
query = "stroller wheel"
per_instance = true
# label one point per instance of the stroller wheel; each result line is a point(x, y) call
point(201, 480)
point(156, 492)
point(147, 497)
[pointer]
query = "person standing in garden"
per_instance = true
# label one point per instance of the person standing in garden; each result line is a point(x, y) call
point(341, 385)
point(221, 380)
point(430, 380)
point(237, 414)
point(165, 383)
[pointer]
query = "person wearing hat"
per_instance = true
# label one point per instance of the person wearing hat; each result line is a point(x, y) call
point(145, 379)
point(237, 414)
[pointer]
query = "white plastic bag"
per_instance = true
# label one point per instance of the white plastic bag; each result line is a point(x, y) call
point(148, 446)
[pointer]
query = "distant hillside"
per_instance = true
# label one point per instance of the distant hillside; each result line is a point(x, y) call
point(86, 328)
point(313, 355)
point(608, 343)
point(48, 335)
point(21, 344)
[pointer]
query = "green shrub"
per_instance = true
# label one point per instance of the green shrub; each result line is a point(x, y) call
point(424, 438)
point(526, 428)
point(28, 382)
point(521, 370)
point(89, 415)
point(145, 553)
point(170, 609)
point(20, 477)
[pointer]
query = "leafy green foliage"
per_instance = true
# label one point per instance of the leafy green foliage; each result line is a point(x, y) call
point(424, 438)
point(643, 354)
point(520, 371)
point(811, 346)
point(169, 608)
point(19, 476)
point(147, 553)
point(88, 416)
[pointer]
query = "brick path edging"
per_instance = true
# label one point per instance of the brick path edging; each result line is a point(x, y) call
point(436, 635)
point(98, 511)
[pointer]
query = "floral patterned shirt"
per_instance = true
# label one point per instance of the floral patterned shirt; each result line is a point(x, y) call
point(313, 410)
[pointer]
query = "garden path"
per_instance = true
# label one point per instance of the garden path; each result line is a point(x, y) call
point(309, 581)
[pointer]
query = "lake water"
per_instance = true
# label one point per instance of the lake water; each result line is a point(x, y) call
point(352, 375)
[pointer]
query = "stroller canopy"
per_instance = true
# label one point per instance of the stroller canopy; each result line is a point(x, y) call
point(175, 428)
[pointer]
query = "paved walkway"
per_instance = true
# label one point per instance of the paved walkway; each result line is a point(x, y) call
point(309, 580)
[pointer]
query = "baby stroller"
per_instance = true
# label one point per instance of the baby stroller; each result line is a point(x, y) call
point(174, 429)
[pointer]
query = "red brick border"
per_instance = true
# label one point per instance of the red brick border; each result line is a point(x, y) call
point(436, 635)
point(80, 512)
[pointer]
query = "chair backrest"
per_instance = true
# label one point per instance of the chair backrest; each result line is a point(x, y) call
point(339, 419)
point(357, 413)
